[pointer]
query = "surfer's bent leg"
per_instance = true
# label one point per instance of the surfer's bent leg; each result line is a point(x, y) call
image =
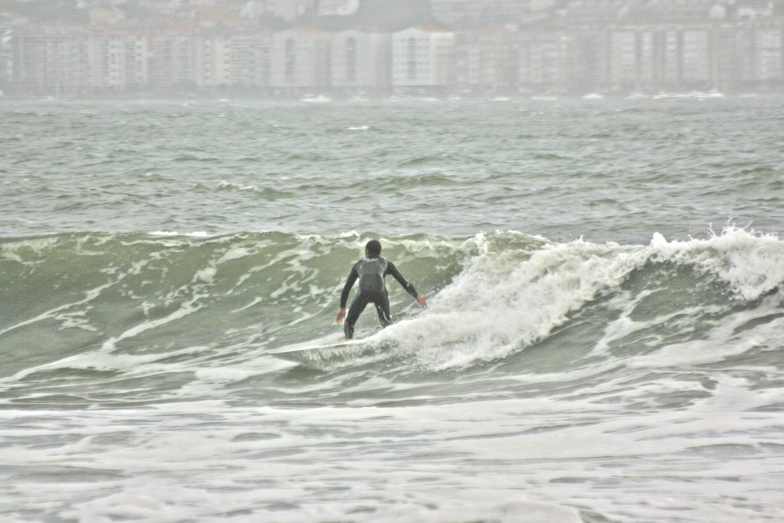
point(382, 308)
point(357, 306)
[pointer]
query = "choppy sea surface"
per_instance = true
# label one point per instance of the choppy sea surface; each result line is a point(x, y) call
point(604, 342)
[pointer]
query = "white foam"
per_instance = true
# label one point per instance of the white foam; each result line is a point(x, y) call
point(507, 300)
point(516, 291)
point(753, 264)
point(223, 184)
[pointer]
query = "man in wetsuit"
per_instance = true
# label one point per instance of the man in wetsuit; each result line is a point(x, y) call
point(371, 271)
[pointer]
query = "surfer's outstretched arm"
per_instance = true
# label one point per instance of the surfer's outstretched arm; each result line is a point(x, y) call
point(391, 269)
point(352, 277)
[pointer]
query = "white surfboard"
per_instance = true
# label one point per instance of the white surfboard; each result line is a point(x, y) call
point(322, 353)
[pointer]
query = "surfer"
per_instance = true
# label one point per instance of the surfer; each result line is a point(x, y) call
point(371, 271)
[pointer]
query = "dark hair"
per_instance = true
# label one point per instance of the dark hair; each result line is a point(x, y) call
point(373, 247)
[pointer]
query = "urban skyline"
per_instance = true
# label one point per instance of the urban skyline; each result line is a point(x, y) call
point(574, 47)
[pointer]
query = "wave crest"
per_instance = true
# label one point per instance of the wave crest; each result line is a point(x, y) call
point(492, 295)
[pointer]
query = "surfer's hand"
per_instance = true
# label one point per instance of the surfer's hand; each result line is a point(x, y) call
point(340, 316)
point(422, 301)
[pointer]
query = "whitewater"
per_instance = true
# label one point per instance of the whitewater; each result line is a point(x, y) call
point(603, 342)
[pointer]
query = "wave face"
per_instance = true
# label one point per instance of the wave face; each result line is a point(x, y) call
point(492, 296)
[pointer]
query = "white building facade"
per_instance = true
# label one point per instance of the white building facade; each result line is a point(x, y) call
point(250, 61)
point(484, 61)
point(80, 63)
point(543, 62)
point(361, 62)
point(768, 62)
point(300, 62)
point(422, 60)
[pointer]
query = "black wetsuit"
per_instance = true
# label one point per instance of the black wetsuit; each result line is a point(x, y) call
point(372, 289)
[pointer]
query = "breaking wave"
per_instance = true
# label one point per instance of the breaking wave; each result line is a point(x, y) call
point(491, 295)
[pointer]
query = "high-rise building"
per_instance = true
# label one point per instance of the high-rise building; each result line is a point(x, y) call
point(361, 62)
point(117, 62)
point(300, 62)
point(484, 61)
point(175, 62)
point(422, 60)
point(769, 57)
point(49, 61)
point(250, 61)
point(543, 62)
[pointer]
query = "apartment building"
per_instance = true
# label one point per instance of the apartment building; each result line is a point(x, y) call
point(694, 58)
point(59, 61)
point(46, 61)
point(543, 62)
point(484, 61)
point(250, 58)
point(212, 59)
point(300, 63)
point(768, 56)
point(6, 69)
point(361, 63)
point(422, 60)
point(174, 62)
point(116, 62)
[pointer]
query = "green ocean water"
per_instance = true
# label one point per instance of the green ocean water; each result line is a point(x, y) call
point(603, 342)
point(609, 170)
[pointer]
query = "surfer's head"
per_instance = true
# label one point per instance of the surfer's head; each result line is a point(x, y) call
point(373, 249)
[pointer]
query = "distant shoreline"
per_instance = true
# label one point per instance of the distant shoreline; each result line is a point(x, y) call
point(327, 99)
